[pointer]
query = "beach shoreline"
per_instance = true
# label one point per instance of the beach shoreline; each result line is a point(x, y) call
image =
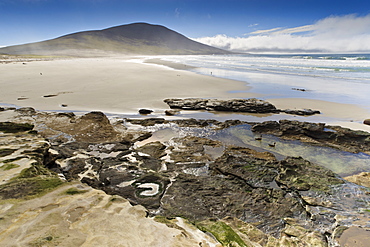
point(123, 85)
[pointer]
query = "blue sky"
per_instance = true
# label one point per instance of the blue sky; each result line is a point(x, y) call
point(245, 25)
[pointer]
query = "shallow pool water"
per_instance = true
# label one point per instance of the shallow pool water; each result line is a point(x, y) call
point(342, 163)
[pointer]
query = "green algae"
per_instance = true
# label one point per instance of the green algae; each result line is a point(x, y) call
point(28, 188)
point(49, 240)
point(9, 166)
point(222, 232)
point(167, 221)
point(301, 174)
point(34, 171)
point(6, 151)
point(9, 127)
point(32, 182)
point(14, 159)
point(74, 191)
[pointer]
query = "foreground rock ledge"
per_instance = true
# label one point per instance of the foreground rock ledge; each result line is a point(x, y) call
point(240, 196)
point(251, 105)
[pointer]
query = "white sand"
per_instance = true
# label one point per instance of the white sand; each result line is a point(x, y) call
point(107, 84)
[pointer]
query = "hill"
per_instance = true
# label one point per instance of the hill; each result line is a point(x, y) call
point(136, 38)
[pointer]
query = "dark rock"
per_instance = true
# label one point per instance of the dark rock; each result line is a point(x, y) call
point(304, 112)
point(299, 89)
point(267, 126)
point(26, 111)
point(145, 111)
point(121, 146)
point(216, 197)
point(154, 149)
point(149, 163)
point(242, 163)
point(10, 108)
point(332, 136)
point(191, 149)
point(9, 127)
point(235, 105)
point(146, 190)
point(147, 121)
point(96, 116)
point(74, 168)
point(6, 151)
point(93, 127)
point(187, 104)
point(367, 121)
point(299, 174)
point(141, 136)
point(172, 112)
point(191, 122)
point(66, 114)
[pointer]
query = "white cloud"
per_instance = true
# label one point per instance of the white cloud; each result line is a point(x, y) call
point(266, 31)
point(253, 25)
point(177, 12)
point(337, 34)
point(300, 29)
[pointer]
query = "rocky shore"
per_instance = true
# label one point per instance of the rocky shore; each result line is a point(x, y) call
point(251, 105)
point(171, 182)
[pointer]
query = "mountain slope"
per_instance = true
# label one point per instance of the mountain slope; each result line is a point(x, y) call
point(136, 38)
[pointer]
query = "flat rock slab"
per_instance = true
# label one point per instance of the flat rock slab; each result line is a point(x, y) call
point(251, 105)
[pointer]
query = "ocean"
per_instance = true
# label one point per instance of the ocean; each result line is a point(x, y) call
point(340, 78)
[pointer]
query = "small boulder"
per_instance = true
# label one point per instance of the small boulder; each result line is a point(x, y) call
point(145, 111)
point(26, 111)
point(172, 112)
point(367, 121)
point(303, 112)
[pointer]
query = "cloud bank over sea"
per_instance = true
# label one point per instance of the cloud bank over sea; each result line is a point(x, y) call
point(334, 34)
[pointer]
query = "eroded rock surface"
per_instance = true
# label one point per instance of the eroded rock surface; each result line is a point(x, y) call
point(318, 133)
point(38, 207)
point(251, 105)
point(235, 105)
point(239, 195)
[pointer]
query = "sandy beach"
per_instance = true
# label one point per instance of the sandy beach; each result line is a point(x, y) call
point(123, 85)
point(114, 85)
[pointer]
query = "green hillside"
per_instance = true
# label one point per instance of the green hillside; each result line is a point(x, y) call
point(136, 38)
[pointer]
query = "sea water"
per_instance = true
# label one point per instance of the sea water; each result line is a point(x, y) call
point(335, 77)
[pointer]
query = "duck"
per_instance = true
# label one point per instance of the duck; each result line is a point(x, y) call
point(272, 144)
point(258, 138)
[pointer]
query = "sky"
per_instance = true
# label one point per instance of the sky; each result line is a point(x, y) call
point(270, 26)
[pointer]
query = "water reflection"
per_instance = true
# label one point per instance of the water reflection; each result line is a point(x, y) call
point(342, 163)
